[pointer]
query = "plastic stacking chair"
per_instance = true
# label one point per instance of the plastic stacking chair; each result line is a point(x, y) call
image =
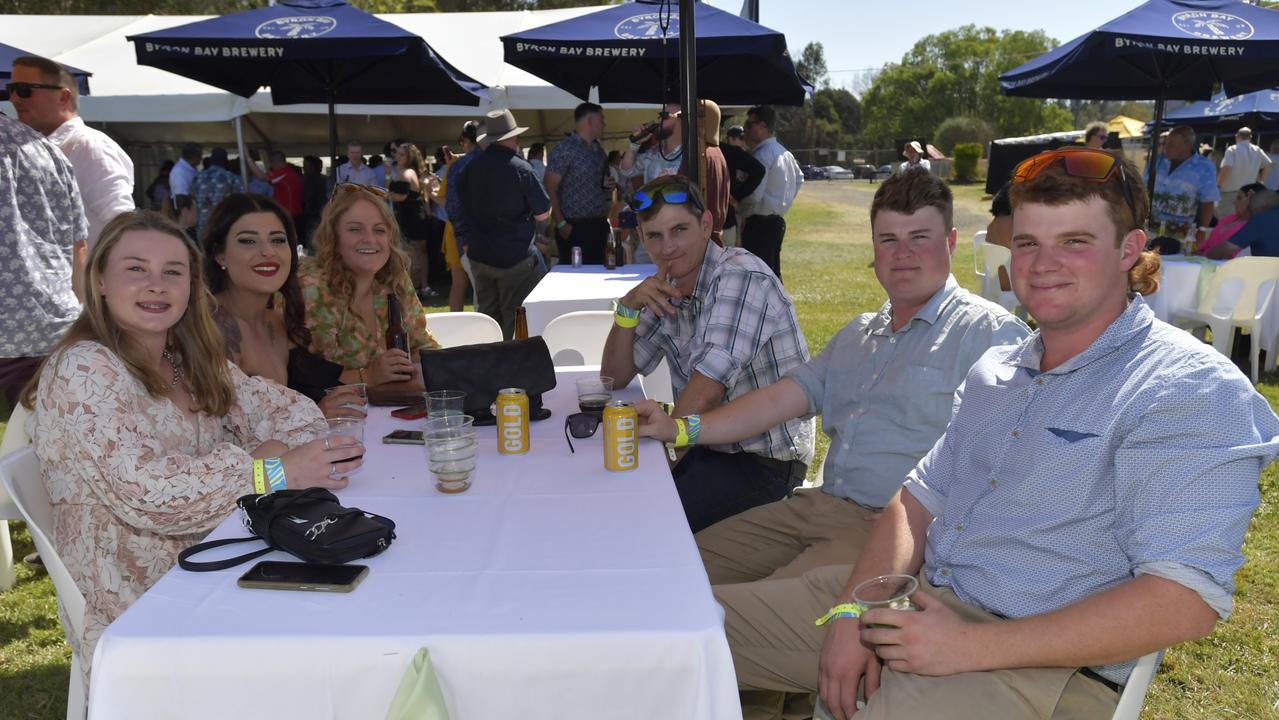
point(1239, 296)
point(995, 257)
point(452, 329)
point(577, 338)
point(979, 263)
point(1134, 694)
point(20, 476)
point(15, 438)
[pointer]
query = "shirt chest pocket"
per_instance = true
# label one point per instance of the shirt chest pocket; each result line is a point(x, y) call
point(928, 397)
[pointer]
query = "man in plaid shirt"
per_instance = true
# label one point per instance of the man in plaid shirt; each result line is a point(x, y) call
point(725, 326)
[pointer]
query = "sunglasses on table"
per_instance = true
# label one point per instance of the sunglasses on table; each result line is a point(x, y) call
point(357, 187)
point(1084, 163)
point(581, 425)
point(23, 89)
point(673, 194)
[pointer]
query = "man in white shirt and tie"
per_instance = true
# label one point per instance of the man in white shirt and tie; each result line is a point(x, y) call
point(355, 171)
point(763, 223)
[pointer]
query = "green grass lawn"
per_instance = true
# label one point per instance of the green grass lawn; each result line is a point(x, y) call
point(826, 263)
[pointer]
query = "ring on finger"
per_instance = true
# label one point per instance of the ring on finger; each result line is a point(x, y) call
point(333, 470)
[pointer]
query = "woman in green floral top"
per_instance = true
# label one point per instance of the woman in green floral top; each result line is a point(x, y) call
point(358, 260)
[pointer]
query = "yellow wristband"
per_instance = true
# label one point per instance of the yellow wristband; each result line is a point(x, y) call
point(681, 433)
point(842, 610)
point(625, 322)
point(259, 477)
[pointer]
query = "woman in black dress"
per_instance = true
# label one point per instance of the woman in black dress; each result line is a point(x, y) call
point(408, 191)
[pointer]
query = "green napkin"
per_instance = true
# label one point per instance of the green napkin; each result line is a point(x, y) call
point(419, 696)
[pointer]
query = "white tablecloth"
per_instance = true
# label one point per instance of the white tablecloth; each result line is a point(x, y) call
point(567, 289)
point(551, 589)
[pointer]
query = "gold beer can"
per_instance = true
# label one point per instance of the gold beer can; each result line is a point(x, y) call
point(621, 441)
point(512, 421)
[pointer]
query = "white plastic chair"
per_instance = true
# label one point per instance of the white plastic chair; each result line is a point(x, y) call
point(578, 338)
point(15, 438)
point(995, 257)
point(657, 384)
point(1238, 296)
point(1134, 694)
point(20, 476)
point(452, 329)
point(979, 264)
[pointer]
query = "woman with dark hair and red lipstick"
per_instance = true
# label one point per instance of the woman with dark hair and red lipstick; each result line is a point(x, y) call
point(251, 267)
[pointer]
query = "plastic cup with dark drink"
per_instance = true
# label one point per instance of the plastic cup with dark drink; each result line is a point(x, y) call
point(345, 432)
point(886, 591)
point(593, 393)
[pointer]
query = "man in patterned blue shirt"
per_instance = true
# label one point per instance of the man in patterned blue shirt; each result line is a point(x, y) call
point(41, 220)
point(1088, 502)
point(725, 326)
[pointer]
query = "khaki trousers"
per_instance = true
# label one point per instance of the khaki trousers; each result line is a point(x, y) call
point(778, 567)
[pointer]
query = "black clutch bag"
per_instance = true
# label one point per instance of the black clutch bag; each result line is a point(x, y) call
point(482, 370)
point(310, 524)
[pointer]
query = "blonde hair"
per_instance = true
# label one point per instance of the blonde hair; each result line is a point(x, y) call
point(416, 162)
point(394, 274)
point(197, 340)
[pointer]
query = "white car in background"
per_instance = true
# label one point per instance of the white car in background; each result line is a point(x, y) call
point(835, 172)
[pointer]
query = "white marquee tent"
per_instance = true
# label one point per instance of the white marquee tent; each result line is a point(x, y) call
point(150, 110)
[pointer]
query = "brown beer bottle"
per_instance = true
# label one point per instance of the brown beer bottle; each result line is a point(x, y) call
point(396, 338)
point(610, 252)
point(521, 323)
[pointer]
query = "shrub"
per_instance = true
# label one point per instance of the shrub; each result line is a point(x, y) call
point(966, 157)
point(957, 130)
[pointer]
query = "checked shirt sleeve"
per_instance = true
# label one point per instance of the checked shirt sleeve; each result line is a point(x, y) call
point(737, 324)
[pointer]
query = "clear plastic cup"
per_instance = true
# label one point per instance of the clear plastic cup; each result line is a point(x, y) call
point(451, 451)
point(593, 393)
point(886, 591)
point(359, 396)
point(345, 432)
point(443, 403)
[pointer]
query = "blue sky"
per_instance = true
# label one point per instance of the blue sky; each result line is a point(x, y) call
point(860, 34)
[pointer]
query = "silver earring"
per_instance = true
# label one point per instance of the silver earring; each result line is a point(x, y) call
point(224, 268)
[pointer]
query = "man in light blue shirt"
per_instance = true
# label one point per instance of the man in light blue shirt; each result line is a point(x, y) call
point(1088, 502)
point(884, 385)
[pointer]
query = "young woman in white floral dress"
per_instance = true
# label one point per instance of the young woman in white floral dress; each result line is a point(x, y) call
point(146, 435)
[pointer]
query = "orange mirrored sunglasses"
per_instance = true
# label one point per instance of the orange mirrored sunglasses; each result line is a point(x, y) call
point(1085, 163)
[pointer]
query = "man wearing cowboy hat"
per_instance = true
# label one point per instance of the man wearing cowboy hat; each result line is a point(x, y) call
point(502, 201)
point(914, 153)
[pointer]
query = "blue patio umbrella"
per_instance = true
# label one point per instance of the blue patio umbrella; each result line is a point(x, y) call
point(9, 53)
point(1257, 110)
point(309, 51)
point(631, 53)
point(1163, 49)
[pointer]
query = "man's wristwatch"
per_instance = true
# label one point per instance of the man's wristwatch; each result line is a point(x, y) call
point(623, 316)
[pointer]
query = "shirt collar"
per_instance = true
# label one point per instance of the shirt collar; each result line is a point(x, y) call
point(929, 313)
point(65, 129)
point(1136, 319)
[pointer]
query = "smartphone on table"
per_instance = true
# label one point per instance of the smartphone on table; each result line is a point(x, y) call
point(412, 412)
point(274, 575)
point(403, 437)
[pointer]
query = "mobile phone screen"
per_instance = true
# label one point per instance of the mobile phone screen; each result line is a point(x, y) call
point(303, 576)
point(403, 437)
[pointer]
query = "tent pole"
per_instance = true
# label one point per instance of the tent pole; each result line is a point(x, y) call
point(1154, 148)
point(688, 89)
point(244, 156)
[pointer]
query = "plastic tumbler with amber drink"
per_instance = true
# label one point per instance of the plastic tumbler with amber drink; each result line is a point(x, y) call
point(886, 591)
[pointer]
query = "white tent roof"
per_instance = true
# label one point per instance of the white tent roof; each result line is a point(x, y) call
point(123, 91)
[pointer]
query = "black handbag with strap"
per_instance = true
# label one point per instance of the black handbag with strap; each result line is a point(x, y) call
point(484, 369)
point(310, 524)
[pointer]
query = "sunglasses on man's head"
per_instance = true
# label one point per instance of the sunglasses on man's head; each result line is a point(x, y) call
point(1088, 164)
point(357, 187)
point(673, 194)
point(23, 89)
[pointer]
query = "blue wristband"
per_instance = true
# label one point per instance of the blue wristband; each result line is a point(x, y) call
point(274, 473)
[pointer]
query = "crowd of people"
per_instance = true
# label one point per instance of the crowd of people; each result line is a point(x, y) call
point(1069, 499)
